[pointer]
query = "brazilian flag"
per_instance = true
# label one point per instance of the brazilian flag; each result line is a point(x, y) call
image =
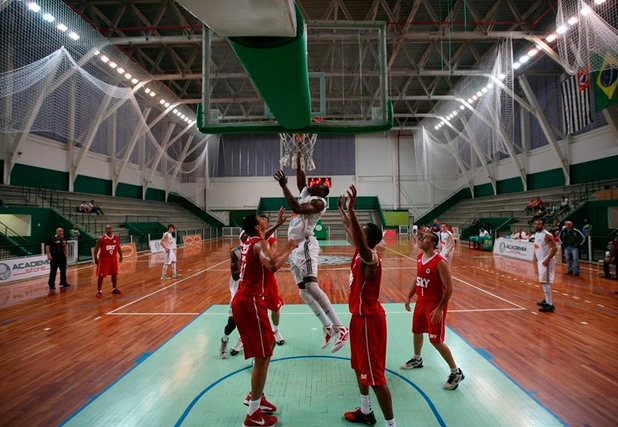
point(605, 83)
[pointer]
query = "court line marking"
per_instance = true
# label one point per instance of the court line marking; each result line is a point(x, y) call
point(153, 314)
point(489, 293)
point(166, 287)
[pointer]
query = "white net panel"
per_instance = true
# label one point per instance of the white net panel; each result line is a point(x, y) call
point(292, 144)
point(73, 87)
point(474, 126)
point(588, 33)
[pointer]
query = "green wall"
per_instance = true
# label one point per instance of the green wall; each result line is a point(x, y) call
point(483, 190)
point(129, 190)
point(155, 194)
point(510, 185)
point(602, 169)
point(31, 176)
point(546, 179)
point(88, 184)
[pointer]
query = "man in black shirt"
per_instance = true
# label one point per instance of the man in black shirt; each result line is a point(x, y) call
point(56, 249)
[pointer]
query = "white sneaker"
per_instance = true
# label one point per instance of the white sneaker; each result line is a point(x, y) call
point(328, 334)
point(236, 348)
point(223, 349)
point(279, 338)
point(454, 379)
point(342, 337)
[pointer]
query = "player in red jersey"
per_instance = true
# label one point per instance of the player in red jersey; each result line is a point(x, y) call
point(251, 313)
point(433, 289)
point(106, 260)
point(368, 323)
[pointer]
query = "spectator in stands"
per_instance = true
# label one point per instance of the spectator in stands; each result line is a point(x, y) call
point(564, 205)
point(611, 258)
point(435, 229)
point(531, 205)
point(483, 232)
point(519, 234)
point(571, 239)
point(84, 207)
point(550, 212)
point(555, 229)
point(94, 208)
point(56, 250)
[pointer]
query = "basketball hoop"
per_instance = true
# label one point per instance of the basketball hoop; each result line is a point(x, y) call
point(293, 142)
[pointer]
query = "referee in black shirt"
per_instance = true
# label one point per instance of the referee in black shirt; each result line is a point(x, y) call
point(56, 249)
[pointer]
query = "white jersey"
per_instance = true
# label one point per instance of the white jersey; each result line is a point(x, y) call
point(167, 241)
point(445, 241)
point(541, 247)
point(234, 283)
point(302, 225)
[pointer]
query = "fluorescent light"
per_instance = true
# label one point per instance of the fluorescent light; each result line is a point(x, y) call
point(484, 90)
point(532, 52)
point(128, 76)
point(120, 70)
point(96, 53)
point(34, 7)
point(48, 17)
point(167, 104)
point(561, 29)
point(152, 93)
point(436, 127)
point(134, 81)
point(502, 76)
point(585, 10)
point(572, 20)
point(62, 27)
point(162, 101)
point(454, 113)
point(595, 2)
point(179, 114)
point(461, 107)
point(175, 111)
point(524, 59)
point(550, 38)
point(147, 90)
point(470, 100)
point(516, 65)
point(73, 36)
point(490, 85)
point(479, 94)
point(113, 64)
point(474, 97)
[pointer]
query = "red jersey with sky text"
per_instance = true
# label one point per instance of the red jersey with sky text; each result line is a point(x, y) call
point(429, 286)
point(364, 299)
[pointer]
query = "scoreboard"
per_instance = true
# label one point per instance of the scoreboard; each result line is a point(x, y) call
point(313, 181)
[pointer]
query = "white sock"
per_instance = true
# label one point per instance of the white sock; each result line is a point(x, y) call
point(275, 329)
point(365, 404)
point(174, 268)
point(391, 423)
point(225, 338)
point(454, 370)
point(164, 270)
point(547, 292)
point(315, 307)
point(321, 298)
point(254, 405)
point(417, 356)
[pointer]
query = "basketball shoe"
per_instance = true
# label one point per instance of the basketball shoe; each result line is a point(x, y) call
point(279, 338)
point(342, 337)
point(116, 291)
point(413, 363)
point(237, 347)
point(358, 417)
point(177, 275)
point(454, 379)
point(259, 419)
point(265, 406)
point(99, 294)
point(165, 277)
point(223, 349)
point(328, 334)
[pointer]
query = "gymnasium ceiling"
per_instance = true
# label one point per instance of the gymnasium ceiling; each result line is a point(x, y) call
point(431, 45)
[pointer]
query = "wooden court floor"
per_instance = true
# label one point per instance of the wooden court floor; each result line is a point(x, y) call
point(59, 350)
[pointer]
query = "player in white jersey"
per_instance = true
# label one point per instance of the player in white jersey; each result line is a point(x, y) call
point(447, 243)
point(309, 208)
point(167, 243)
point(545, 250)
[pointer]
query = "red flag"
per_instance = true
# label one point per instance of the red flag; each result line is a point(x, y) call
point(583, 79)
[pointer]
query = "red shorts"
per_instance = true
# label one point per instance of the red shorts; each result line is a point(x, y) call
point(107, 267)
point(273, 299)
point(251, 317)
point(368, 348)
point(421, 320)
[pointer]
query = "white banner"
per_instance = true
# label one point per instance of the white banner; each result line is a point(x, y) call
point(155, 246)
point(23, 268)
point(518, 249)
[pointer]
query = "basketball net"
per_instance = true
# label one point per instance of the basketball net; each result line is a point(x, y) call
point(293, 143)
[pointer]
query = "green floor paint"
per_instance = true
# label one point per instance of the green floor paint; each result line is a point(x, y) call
point(185, 383)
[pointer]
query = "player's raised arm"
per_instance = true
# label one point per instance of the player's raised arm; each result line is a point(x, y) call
point(268, 258)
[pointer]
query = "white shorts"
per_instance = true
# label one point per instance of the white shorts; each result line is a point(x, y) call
point(304, 259)
point(170, 257)
point(546, 274)
point(448, 255)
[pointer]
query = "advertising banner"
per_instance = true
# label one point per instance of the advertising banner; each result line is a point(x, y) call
point(518, 249)
point(23, 268)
